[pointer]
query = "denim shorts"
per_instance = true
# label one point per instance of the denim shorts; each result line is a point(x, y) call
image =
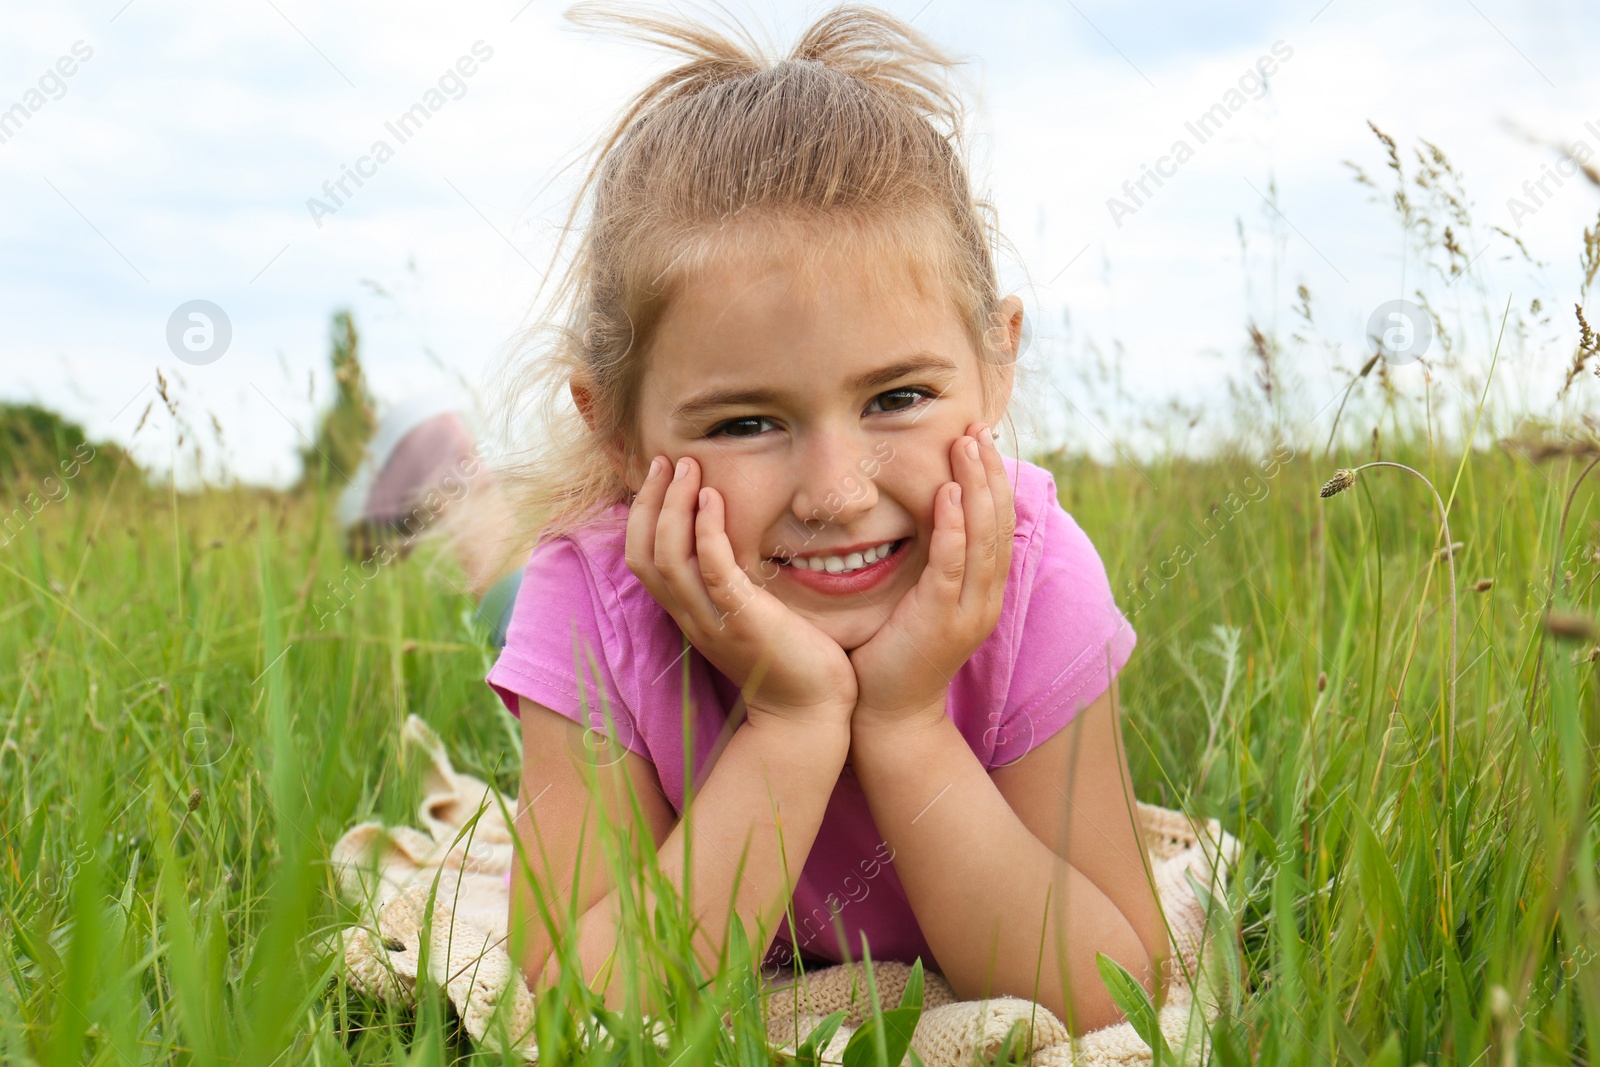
point(494, 612)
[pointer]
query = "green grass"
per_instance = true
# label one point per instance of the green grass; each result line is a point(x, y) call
point(160, 652)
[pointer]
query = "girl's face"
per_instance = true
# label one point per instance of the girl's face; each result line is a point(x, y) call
point(824, 416)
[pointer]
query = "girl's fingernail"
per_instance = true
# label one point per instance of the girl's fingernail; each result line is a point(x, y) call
point(705, 498)
point(972, 449)
point(986, 437)
point(683, 467)
point(655, 469)
point(955, 494)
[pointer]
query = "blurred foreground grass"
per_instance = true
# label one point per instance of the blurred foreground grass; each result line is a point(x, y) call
point(189, 717)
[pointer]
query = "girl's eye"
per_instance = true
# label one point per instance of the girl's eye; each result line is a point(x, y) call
point(749, 426)
point(901, 399)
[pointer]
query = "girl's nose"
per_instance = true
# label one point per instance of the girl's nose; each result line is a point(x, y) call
point(835, 483)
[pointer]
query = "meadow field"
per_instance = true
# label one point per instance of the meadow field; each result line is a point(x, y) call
point(189, 717)
point(183, 742)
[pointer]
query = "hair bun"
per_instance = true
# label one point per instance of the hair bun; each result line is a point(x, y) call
point(887, 53)
point(864, 42)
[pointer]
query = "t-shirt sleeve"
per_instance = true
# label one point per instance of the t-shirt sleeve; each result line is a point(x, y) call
point(1072, 641)
point(565, 637)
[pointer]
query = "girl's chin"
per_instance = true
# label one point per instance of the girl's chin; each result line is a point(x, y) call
point(853, 631)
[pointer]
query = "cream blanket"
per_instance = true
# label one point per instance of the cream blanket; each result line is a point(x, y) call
point(389, 872)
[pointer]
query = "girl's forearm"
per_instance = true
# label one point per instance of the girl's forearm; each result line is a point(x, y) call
point(984, 889)
point(770, 770)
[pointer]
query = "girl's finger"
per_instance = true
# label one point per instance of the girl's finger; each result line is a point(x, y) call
point(1000, 488)
point(947, 548)
point(1004, 495)
point(640, 544)
point(729, 588)
point(979, 514)
point(673, 530)
point(642, 518)
point(674, 551)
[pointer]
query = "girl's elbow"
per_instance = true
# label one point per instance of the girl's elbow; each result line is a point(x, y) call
point(1148, 936)
point(539, 974)
point(1092, 1005)
point(1132, 949)
point(550, 973)
point(1093, 1008)
point(1092, 1012)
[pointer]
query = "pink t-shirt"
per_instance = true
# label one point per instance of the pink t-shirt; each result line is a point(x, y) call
point(1059, 639)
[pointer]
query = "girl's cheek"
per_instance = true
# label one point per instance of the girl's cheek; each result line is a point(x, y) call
point(923, 487)
point(743, 537)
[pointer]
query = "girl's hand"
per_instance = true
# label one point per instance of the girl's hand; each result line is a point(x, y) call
point(904, 671)
point(677, 545)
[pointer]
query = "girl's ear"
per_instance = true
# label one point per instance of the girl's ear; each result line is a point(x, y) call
point(1006, 349)
point(583, 396)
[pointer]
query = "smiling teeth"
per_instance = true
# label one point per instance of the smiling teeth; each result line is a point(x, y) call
point(844, 564)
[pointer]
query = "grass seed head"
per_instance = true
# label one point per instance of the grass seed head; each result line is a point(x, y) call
point(1342, 479)
point(1570, 624)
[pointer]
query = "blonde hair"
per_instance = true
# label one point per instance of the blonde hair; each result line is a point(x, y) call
point(837, 146)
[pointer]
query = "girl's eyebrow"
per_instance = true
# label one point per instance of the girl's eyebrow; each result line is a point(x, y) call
point(723, 398)
point(916, 363)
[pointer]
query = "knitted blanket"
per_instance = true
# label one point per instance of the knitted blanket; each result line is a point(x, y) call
point(390, 873)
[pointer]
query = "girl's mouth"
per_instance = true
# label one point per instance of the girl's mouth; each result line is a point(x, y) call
point(847, 573)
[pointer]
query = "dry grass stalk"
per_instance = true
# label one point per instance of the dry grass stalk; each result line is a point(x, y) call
point(1541, 449)
point(1344, 478)
point(1588, 348)
point(1569, 625)
point(1263, 349)
point(1365, 370)
point(1590, 260)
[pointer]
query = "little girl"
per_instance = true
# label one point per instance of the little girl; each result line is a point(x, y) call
point(782, 567)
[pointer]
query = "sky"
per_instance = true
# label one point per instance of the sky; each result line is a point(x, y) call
point(159, 152)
